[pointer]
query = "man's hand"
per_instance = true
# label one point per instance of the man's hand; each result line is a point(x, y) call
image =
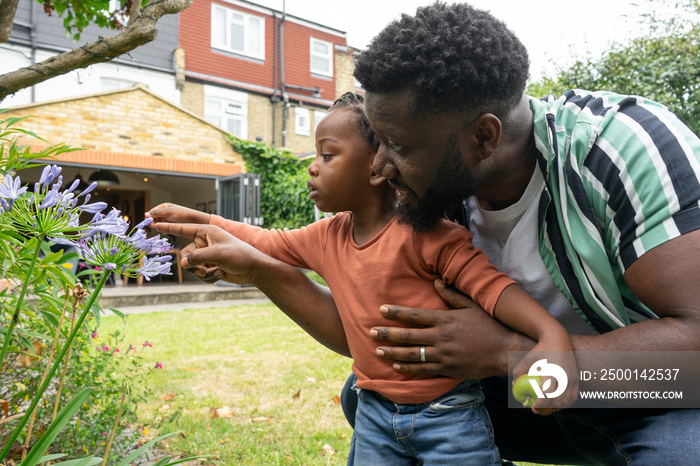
point(214, 253)
point(465, 342)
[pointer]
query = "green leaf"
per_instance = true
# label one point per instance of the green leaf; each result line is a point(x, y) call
point(143, 449)
point(68, 411)
point(188, 459)
point(89, 461)
point(162, 461)
point(46, 458)
point(118, 313)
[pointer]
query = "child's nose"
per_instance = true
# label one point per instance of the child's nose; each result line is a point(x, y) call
point(313, 169)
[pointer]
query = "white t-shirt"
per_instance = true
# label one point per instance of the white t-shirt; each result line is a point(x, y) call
point(509, 237)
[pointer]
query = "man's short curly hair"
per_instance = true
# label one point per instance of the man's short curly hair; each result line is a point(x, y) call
point(455, 57)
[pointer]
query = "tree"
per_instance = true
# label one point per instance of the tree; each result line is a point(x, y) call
point(140, 29)
point(662, 66)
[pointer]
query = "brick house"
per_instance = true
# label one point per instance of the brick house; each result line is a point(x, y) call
point(158, 152)
point(221, 67)
point(260, 73)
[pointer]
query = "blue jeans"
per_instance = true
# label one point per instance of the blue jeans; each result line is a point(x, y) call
point(452, 429)
point(607, 437)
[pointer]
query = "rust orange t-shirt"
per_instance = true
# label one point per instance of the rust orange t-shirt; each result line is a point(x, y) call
point(398, 266)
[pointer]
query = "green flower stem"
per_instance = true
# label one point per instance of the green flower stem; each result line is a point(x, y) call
point(56, 363)
point(15, 316)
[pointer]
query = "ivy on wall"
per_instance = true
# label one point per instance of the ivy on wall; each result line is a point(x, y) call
point(284, 195)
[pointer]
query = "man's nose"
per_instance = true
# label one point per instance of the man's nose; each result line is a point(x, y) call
point(383, 165)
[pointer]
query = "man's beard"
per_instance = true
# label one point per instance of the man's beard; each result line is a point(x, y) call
point(453, 183)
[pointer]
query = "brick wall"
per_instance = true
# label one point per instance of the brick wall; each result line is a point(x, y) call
point(195, 39)
point(192, 98)
point(260, 118)
point(344, 69)
point(132, 121)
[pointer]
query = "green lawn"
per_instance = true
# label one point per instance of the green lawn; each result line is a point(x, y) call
point(243, 383)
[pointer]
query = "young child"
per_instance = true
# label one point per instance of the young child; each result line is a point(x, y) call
point(368, 259)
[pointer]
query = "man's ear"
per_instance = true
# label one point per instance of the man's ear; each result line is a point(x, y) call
point(487, 134)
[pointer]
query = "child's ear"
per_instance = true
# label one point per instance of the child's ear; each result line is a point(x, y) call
point(376, 180)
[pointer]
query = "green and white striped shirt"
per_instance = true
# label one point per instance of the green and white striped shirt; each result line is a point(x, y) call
point(622, 176)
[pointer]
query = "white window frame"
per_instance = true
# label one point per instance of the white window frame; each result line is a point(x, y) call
point(302, 121)
point(245, 22)
point(318, 116)
point(328, 57)
point(113, 84)
point(228, 101)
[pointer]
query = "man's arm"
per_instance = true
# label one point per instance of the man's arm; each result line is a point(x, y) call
point(466, 342)
point(310, 305)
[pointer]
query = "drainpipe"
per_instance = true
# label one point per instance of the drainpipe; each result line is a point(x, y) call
point(274, 99)
point(285, 98)
point(32, 36)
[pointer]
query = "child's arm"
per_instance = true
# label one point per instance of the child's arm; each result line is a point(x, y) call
point(519, 311)
point(308, 304)
point(297, 248)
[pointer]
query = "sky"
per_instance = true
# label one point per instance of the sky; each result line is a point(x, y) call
point(552, 30)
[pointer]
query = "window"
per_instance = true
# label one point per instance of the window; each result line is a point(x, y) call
point(113, 84)
point(321, 57)
point(237, 32)
point(302, 121)
point(318, 116)
point(227, 109)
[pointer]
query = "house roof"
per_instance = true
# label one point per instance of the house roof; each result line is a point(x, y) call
point(132, 128)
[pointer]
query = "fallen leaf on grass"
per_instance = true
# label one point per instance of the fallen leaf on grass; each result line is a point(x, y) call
point(336, 399)
point(327, 450)
point(5, 407)
point(26, 360)
point(164, 408)
point(259, 419)
point(168, 397)
point(224, 411)
point(296, 395)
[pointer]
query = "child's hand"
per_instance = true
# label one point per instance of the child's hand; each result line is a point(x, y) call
point(552, 360)
point(214, 254)
point(173, 213)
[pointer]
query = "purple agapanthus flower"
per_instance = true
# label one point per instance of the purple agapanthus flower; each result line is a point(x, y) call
point(11, 188)
point(48, 174)
point(10, 191)
point(93, 208)
point(152, 266)
point(112, 223)
point(48, 211)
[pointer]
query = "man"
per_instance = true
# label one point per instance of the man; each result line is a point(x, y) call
point(590, 201)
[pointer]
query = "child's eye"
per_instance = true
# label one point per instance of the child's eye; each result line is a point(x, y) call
point(326, 157)
point(394, 147)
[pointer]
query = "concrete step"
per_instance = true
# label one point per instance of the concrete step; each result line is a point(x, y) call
point(157, 294)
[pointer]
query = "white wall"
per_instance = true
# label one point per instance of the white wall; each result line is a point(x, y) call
point(85, 81)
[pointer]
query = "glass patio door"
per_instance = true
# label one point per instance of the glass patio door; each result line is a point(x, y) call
point(238, 198)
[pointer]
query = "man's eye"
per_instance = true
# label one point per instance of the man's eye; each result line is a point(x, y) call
point(394, 147)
